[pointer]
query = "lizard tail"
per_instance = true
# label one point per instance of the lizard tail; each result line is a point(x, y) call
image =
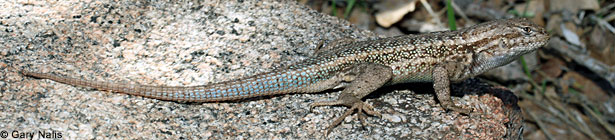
point(258, 85)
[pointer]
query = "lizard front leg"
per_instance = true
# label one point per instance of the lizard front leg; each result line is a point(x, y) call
point(364, 79)
point(441, 84)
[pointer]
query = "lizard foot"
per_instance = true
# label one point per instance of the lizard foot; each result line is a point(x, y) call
point(453, 107)
point(355, 104)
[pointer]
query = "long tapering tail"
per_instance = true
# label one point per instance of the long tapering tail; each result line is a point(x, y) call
point(258, 85)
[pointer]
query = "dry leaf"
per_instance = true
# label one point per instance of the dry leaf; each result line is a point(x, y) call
point(387, 17)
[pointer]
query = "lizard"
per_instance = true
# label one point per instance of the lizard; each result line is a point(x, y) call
point(361, 67)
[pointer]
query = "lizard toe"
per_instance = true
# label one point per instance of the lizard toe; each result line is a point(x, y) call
point(326, 103)
point(362, 109)
point(456, 108)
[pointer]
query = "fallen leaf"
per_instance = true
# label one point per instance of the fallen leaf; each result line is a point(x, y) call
point(570, 36)
point(388, 17)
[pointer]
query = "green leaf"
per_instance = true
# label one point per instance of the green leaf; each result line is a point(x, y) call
point(452, 24)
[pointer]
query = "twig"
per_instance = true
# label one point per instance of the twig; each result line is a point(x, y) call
point(604, 124)
point(601, 69)
point(461, 13)
point(431, 12)
point(540, 124)
point(603, 23)
point(554, 112)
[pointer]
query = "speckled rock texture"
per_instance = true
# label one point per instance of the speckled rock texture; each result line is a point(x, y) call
point(195, 43)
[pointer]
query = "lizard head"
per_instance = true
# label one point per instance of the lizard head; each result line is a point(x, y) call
point(503, 41)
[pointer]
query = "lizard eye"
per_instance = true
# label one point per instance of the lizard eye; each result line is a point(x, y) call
point(527, 30)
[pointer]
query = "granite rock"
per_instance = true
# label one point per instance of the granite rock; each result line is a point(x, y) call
point(193, 43)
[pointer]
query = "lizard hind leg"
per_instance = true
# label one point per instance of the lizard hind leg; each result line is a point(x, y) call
point(369, 77)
